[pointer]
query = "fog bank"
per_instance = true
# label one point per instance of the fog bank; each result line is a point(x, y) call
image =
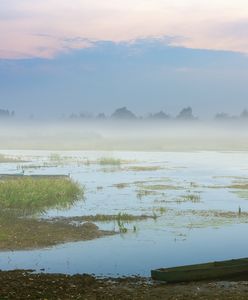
point(125, 135)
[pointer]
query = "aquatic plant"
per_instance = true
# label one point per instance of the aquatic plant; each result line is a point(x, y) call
point(120, 222)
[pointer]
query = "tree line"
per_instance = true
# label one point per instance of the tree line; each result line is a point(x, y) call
point(125, 114)
point(185, 114)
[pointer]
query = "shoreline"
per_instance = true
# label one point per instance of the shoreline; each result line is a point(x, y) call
point(23, 284)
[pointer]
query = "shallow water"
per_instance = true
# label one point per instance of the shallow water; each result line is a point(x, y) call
point(175, 237)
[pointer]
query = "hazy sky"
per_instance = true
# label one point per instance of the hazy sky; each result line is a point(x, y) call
point(90, 55)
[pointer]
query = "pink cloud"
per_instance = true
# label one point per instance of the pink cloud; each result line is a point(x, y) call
point(31, 28)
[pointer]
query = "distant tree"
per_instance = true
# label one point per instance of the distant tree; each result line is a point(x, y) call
point(85, 115)
point(222, 116)
point(186, 114)
point(159, 116)
point(73, 116)
point(4, 113)
point(244, 114)
point(101, 116)
point(123, 114)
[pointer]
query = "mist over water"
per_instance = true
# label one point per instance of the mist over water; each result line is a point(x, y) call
point(143, 135)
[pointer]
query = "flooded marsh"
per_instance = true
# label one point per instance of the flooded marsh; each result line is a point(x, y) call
point(151, 209)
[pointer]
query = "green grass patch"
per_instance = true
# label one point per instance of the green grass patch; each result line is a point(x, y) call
point(36, 194)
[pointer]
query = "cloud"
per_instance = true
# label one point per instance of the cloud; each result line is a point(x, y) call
point(144, 75)
point(46, 28)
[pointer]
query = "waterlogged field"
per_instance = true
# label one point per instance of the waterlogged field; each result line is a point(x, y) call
point(153, 210)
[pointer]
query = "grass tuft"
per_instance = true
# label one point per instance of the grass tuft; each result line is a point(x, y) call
point(194, 198)
point(109, 161)
point(34, 195)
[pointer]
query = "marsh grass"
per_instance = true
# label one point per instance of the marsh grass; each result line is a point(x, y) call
point(161, 210)
point(27, 195)
point(159, 187)
point(121, 219)
point(9, 159)
point(239, 185)
point(211, 218)
point(143, 168)
point(241, 194)
point(109, 161)
point(121, 185)
point(108, 218)
point(194, 198)
point(56, 157)
point(145, 193)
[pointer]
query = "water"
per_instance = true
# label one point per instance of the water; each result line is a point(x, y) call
point(174, 238)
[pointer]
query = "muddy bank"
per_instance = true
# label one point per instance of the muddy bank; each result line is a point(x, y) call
point(20, 234)
point(25, 285)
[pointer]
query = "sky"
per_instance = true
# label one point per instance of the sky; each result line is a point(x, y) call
point(61, 56)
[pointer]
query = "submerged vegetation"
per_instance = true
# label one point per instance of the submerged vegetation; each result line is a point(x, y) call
point(35, 194)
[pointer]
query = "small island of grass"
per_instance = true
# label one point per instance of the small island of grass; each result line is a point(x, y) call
point(35, 194)
point(24, 196)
